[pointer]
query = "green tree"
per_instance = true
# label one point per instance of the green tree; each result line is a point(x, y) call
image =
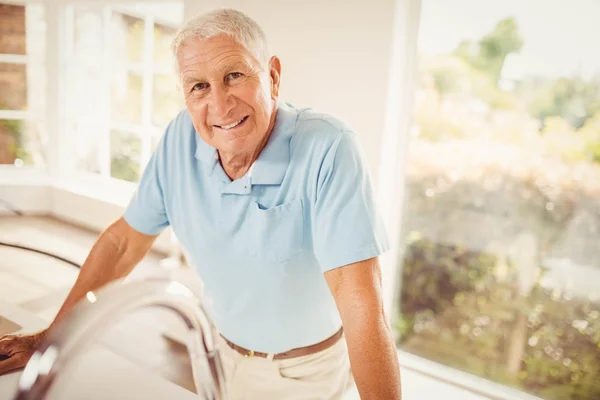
point(490, 52)
point(590, 132)
point(575, 99)
point(125, 150)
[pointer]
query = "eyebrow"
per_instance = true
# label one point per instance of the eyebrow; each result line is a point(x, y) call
point(190, 79)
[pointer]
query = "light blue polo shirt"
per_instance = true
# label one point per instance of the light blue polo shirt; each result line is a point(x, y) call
point(261, 243)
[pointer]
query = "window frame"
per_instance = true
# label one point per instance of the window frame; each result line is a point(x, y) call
point(391, 195)
point(87, 199)
point(145, 130)
point(28, 172)
point(394, 144)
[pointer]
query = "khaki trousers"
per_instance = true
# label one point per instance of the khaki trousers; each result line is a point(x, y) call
point(324, 375)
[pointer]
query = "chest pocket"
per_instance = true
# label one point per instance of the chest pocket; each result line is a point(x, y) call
point(277, 232)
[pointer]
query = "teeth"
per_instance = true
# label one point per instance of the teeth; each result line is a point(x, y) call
point(232, 125)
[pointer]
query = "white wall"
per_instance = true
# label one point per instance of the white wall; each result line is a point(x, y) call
point(335, 56)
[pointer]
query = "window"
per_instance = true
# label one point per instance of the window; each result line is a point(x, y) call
point(22, 85)
point(122, 87)
point(501, 263)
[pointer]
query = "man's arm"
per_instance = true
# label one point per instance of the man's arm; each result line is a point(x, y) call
point(114, 255)
point(373, 357)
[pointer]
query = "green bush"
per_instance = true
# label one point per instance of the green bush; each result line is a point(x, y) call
point(455, 310)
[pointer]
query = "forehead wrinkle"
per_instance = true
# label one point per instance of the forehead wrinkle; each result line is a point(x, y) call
point(231, 62)
point(195, 62)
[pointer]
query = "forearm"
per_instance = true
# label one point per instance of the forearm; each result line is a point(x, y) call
point(357, 291)
point(108, 260)
point(374, 360)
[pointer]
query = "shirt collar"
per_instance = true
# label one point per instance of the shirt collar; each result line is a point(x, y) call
point(273, 161)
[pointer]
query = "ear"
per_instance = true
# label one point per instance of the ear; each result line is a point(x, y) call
point(275, 74)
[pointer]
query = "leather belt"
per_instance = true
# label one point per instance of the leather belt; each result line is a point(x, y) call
point(297, 352)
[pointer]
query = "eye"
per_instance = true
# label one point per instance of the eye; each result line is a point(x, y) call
point(234, 75)
point(199, 86)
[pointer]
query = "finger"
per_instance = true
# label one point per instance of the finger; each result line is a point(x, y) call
point(13, 363)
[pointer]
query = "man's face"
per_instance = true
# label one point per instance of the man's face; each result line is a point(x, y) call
point(228, 93)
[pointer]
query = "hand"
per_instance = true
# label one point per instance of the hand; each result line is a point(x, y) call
point(16, 350)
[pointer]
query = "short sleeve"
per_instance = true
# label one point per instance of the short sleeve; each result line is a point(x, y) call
point(146, 210)
point(347, 227)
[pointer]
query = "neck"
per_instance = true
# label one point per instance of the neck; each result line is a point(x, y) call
point(236, 166)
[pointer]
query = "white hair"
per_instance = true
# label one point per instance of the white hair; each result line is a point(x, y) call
point(243, 29)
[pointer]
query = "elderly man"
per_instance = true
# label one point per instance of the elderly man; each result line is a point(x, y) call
point(274, 205)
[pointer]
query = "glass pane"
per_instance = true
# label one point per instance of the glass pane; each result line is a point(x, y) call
point(86, 89)
point(167, 100)
point(22, 87)
point(163, 35)
point(127, 35)
point(22, 143)
point(88, 36)
point(86, 104)
point(12, 29)
point(13, 86)
point(125, 152)
point(88, 149)
point(126, 97)
point(23, 30)
point(501, 267)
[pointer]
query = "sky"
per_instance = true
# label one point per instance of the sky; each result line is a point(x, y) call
point(562, 37)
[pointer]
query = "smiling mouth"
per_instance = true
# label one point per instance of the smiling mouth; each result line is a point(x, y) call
point(233, 125)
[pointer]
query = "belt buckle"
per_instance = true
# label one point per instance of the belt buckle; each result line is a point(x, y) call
point(250, 354)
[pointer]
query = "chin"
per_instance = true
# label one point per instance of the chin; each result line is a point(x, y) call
point(238, 145)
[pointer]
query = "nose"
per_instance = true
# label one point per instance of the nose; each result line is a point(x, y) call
point(221, 101)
